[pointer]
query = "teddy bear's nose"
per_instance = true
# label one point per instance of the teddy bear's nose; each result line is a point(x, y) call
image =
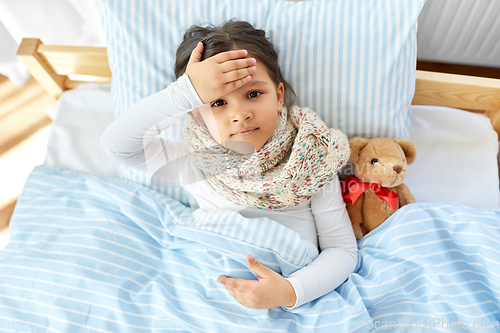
point(397, 168)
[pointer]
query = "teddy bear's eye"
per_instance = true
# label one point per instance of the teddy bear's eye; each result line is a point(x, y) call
point(374, 161)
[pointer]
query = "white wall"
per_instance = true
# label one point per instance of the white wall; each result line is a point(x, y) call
point(460, 31)
point(453, 31)
point(68, 22)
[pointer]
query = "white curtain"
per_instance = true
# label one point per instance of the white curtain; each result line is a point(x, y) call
point(68, 22)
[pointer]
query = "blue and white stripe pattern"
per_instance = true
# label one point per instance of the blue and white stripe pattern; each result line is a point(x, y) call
point(353, 62)
point(433, 262)
point(98, 255)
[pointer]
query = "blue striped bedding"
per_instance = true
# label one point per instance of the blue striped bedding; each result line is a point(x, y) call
point(90, 254)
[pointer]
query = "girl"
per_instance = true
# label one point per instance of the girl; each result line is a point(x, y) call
point(246, 152)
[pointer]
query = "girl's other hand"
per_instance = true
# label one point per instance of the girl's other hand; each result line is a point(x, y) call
point(269, 291)
point(219, 75)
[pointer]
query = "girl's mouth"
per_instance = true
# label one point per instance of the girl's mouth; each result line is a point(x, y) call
point(246, 131)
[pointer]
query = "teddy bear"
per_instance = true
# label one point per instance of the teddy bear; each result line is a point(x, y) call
point(376, 190)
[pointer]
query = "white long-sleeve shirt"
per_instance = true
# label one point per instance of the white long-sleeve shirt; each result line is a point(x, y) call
point(132, 139)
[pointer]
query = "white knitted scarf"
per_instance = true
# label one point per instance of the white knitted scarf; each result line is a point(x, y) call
point(263, 179)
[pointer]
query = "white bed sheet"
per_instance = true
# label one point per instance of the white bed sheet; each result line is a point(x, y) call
point(79, 117)
point(456, 150)
point(456, 157)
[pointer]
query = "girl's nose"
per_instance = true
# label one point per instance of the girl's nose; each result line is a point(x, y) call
point(241, 115)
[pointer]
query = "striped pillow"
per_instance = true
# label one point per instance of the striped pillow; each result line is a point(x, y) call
point(353, 62)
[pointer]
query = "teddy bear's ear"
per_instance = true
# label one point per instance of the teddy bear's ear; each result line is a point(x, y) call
point(356, 145)
point(409, 149)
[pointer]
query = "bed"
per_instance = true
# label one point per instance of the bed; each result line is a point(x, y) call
point(96, 248)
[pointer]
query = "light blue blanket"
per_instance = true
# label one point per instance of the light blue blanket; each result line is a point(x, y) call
point(90, 254)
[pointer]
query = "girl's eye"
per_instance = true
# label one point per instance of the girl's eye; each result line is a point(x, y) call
point(254, 94)
point(219, 102)
point(374, 161)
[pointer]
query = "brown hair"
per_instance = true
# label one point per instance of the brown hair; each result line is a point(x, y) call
point(229, 36)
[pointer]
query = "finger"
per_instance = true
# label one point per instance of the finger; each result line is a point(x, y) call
point(235, 294)
point(239, 298)
point(259, 269)
point(240, 285)
point(196, 53)
point(232, 293)
point(238, 74)
point(230, 55)
point(230, 86)
point(237, 64)
point(231, 284)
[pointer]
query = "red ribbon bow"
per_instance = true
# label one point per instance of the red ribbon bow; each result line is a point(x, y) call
point(352, 188)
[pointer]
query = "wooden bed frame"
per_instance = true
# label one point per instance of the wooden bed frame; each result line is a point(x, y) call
point(50, 65)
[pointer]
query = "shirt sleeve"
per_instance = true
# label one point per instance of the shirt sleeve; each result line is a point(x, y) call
point(338, 248)
point(132, 139)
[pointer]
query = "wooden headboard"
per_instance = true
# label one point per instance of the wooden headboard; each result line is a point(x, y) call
point(471, 93)
point(50, 65)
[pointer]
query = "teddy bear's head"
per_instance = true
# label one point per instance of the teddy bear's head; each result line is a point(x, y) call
point(381, 160)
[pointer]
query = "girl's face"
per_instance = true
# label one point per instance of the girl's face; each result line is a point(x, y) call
point(247, 115)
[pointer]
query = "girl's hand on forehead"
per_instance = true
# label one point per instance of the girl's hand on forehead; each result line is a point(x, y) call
point(217, 76)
